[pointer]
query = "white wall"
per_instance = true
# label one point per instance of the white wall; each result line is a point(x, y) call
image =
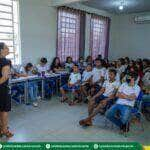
point(87, 27)
point(38, 30)
point(128, 38)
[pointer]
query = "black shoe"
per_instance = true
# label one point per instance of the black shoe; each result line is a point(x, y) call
point(126, 127)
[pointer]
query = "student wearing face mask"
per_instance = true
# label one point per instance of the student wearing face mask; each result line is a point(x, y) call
point(127, 95)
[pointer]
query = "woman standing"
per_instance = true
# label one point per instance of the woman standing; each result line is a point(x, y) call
point(5, 100)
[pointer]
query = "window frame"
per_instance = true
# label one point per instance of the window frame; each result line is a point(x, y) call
point(10, 36)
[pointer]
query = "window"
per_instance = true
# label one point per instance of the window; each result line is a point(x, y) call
point(99, 35)
point(9, 28)
point(68, 34)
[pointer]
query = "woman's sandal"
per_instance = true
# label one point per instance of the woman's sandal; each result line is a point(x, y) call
point(1, 131)
point(8, 134)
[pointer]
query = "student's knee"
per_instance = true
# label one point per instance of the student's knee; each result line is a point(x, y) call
point(110, 112)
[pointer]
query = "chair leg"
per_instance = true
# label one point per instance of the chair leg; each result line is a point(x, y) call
point(142, 121)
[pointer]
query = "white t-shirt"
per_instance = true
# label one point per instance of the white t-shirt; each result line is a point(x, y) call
point(44, 68)
point(117, 78)
point(74, 77)
point(70, 65)
point(86, 75)
point(121, 69)
point(110, 87)
point(22, 71)
point(128, 90)
point(97, 74)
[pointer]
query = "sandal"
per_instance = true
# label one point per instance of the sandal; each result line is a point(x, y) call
point(8, 134)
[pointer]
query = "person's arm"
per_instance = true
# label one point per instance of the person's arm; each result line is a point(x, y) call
point(99, 93)
point(22, 75)
point(124, 96)
point(5, 74)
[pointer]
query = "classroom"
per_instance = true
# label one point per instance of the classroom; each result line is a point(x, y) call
point(75, 70)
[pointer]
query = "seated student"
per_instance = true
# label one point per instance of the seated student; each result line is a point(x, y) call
point(81, 63)
point(127, 94)
point(117, 78)
point(73, 84)
point(69, 63)
point(89, 60)
point(86, 81)
point(56, 65)
point(43, 67)
point(103, 98)
point(98, 74)
point(33, 87)
point(121, 66)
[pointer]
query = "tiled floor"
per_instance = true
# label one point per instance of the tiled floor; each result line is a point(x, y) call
point(54, 121)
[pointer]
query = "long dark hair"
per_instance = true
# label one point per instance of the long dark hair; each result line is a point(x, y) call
point(54, 63)
point(2, 44)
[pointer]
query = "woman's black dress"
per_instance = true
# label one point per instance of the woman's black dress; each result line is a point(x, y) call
point(5, 98)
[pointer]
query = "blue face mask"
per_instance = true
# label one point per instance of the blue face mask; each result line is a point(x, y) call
point(128, 80)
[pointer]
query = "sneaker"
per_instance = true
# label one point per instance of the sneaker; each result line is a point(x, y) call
point(39, 98)
point(35, 104)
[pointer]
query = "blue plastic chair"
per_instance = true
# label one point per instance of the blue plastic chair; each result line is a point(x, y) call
point(137, 111)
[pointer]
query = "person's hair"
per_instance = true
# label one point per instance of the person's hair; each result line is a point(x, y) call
point(99, 56)
point(81, 57)
point(2, 44)
point(28, 65)
point(113, 71)
point(10, 63)
point(43, 60)
point(97, 59)
point(133, 75)
point(88, 57)
point(127, 59)
point(140, 63)
point(122, 61)
point(76, 65)
point(67, 59)
point(89, 65)
point(53, 63)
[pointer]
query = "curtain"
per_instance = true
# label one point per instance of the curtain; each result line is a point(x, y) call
point(68, 39)
point(99, 36)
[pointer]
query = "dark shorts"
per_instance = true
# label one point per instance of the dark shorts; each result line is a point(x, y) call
point(96, 88)
point(5, 99)
point(73, 88)
point(100, 98)
point(87, 86)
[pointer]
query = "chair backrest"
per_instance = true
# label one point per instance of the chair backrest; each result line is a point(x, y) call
point(138, 102)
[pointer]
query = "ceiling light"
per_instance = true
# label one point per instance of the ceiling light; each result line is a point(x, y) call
point(121, 7)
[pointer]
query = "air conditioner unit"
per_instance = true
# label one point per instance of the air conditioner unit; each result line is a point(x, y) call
point(142, 19)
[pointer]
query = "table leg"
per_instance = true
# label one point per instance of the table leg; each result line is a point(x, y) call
point(43, 89)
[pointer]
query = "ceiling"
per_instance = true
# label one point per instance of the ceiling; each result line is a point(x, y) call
point(130, 6)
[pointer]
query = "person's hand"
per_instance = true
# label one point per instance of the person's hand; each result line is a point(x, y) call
point(132, 97)
point(70, 85)
point(104, 102)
